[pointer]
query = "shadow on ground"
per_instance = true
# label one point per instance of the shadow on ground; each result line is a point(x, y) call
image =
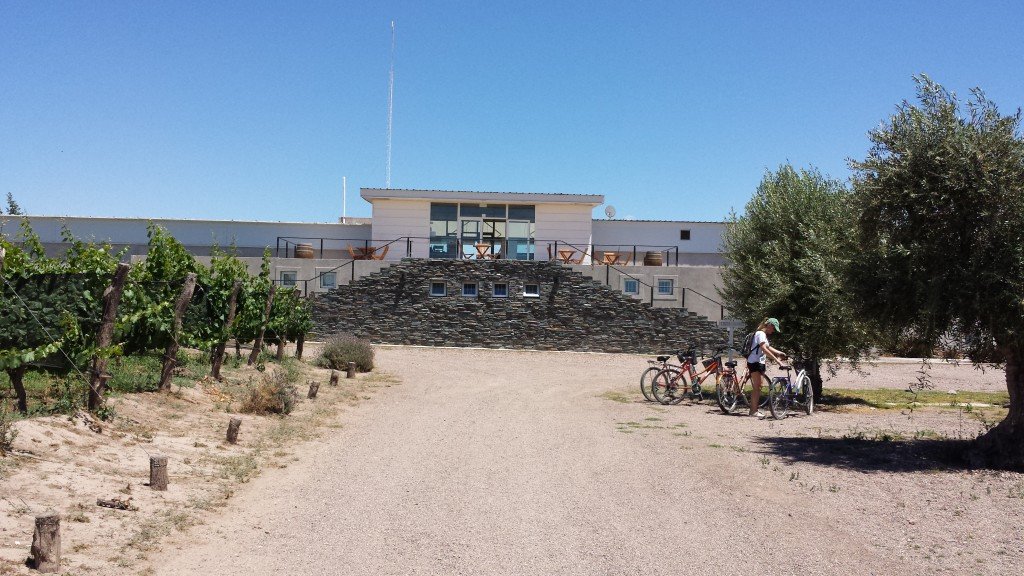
point(871, 454)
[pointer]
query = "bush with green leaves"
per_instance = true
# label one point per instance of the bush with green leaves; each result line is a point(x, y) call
point(270, 394)
point(338, 351)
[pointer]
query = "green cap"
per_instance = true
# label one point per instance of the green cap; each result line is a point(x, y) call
point(775, 323)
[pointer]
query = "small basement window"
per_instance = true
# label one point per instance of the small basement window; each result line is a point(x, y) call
point(329, 280)
point(438, 288)
point(469, 289)
point(289, 277)
point(531, 290)
point(666, 286)
point(684, 234)
point(631, 286)
point(500, 290)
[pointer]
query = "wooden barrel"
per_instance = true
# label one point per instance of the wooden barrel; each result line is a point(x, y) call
point(303, 250)
point(652, 259)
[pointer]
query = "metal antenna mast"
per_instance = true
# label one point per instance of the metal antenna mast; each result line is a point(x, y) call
point(391, 101)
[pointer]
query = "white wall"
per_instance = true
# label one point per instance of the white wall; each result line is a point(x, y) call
point(197, 235)
point(705, 237)
point(563, 222)
point(396, 218)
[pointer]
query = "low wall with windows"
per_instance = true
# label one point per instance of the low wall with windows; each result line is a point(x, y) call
point(504, 304)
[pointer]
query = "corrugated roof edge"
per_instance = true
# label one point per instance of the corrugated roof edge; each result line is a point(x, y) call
point(473, 191)
point(667, 221)
point(147, 219)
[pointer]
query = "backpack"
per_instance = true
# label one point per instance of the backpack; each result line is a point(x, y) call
point(748, 345)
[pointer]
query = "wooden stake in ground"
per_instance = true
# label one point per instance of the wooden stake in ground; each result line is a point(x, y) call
point(334, 377)
point(45, 549)
point(111, 299)
point(298, 346)
point(218, 352)
point(171, 355)
point(158, 472)
point(233, 427)
point(314, 387)
point(258, 344)
point(351, 370)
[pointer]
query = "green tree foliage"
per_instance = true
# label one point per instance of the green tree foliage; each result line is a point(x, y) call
point(786, 259)
point(941, 233)
point(12, 207)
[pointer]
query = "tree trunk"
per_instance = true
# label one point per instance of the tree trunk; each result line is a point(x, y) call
point(171, 354)
point(257, 346)
point(1003, 446)
point(298, 346)
point(111, 299)
point(813, 368)
point(281, 343)
point(17, 376)
point(217, 359)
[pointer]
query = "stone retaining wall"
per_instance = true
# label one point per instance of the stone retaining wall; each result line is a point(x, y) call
point(570, 311)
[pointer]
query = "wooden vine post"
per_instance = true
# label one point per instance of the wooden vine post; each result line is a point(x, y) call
point(258, 344)
point(233, 425)
point(45, 551)
point(351, 370)
point(171, 354)
point(218, 353)
point(314, 387)
point(158, 472)
point(334, 378)
point(111, 300)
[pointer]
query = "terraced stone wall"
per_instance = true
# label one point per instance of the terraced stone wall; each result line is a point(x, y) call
point(569, 311)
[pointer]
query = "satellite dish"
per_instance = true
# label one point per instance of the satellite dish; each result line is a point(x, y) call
point(609, 211)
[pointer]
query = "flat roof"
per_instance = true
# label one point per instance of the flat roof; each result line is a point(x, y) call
point(370, 194)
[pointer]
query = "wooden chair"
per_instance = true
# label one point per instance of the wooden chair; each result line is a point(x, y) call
point(380, 254)
point(352, 253)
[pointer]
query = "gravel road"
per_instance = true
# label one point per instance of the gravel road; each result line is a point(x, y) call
point(510, 462)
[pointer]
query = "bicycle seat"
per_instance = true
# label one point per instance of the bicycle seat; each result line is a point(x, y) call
point(731, 364)
point(663, 358)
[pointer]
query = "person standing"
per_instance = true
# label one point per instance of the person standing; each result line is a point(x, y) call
point(760, 351)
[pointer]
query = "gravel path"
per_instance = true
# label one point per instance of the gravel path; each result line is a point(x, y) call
point(509, 462)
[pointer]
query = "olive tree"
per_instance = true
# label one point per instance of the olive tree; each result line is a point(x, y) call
point(941, 234)
point(787, 256)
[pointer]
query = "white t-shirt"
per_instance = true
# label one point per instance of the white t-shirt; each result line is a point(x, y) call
point(756, 353)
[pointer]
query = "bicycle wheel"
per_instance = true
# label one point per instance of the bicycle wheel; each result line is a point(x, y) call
point(779, 398)
point(680, 386)
point(663, 388)
point(805, 385)
point(725, 393)
point(647, 380)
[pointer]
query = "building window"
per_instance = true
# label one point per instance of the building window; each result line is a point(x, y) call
point(329, 280)
point(631, 286)
point(469, 289)
point(684, 234)
point(500, 290)
point(289, 277)
point(666, 286)
point(532, 290)
point(438, 288)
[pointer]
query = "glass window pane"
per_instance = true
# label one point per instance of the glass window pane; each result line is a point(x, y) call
point(471, 211)
point(522, 212)
point(664, 286)
point(631, 286)
point(531, 289)
point(469, 289)
point(288, 278)
point(495, 211)
point(501, 290)
point(519, 230)
point(329, 280)
point(437, 289)
point(439, 211)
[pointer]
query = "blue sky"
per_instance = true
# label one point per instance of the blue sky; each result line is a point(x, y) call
point(255, 110)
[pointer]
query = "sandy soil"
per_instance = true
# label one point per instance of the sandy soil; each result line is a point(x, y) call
point(507, 462)
point(64, 465)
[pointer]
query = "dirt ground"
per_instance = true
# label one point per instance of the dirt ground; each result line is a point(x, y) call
point(511, 462)
point(66, 464)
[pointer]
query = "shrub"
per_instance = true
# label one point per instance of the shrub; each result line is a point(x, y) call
point(7, 430)
point(273, 394)
point(340, 350)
